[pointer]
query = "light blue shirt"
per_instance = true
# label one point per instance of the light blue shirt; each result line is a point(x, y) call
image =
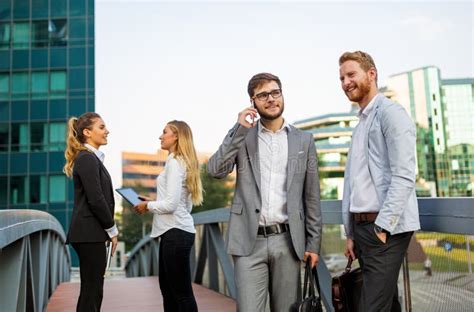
point(363, 195)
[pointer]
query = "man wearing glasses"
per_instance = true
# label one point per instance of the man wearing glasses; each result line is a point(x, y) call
point(275, 217)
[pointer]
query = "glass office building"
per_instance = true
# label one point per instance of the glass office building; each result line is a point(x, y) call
point(458, 97)
point(419, 92)
point(46, 76)
point(332, 134)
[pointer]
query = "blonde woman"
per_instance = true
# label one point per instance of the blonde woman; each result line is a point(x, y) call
point(92, 222)
point(178, 189)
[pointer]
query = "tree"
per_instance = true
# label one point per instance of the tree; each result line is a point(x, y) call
point(217, 192)
point(133, 226)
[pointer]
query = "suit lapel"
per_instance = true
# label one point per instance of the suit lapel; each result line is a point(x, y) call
point(369, 124)
point(251, 140)
point(294, 142)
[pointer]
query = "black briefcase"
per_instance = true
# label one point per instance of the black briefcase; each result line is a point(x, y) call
point(346, 289)
point(310, 301)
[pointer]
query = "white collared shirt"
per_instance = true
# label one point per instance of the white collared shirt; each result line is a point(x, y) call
point(273, 161)
point(173, 205)
point(97, 153)
point(363, 197)
point(113, 231)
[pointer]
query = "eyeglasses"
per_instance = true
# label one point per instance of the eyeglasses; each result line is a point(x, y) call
point(263, 96)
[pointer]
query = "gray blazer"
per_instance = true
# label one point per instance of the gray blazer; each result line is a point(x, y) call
point(240, 148)
point(390, 145)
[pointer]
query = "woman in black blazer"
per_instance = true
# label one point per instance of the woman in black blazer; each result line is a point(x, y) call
point(92, 222)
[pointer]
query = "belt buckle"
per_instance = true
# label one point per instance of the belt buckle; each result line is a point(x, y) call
point(278, 228)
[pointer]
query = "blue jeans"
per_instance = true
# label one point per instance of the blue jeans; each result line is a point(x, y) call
point(175, 272)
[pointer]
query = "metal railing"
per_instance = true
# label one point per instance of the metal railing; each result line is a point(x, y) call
point(445, 215)
point(33, 259)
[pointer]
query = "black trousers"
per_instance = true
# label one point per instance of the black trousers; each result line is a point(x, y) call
point(380, 263)
point(175, 271)
point(92, 268)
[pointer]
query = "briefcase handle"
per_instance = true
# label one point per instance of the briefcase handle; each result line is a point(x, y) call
point(312, 275)
point(349, 265)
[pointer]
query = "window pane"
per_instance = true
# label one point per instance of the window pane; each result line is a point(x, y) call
point(4, 36)
point(39, 8)
point(58, 32)
point(5, 9)
point(39, 58)
point(4, 137)
point(58, 57)
point(39, 136)
point(18, 190)
point(19, 110)
point(21, 59)
point(39, 83)
point(58, 8)
point(21, 35)
point(38, 189)
point(4, 111)
point(77, 78)
point(57, 109)
point(39, 110)
point(3, 189)
point(40, 34)
point(57, 188)
point(21, 8)
point(58, 81)
point(19, 83)
point(77, 57)
point(4, 86)
point(57, 136)
point(19, 138)
point(77, 28)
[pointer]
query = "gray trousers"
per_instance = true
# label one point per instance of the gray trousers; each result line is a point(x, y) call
point(272, 268)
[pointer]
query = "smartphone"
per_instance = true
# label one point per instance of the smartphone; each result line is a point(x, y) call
point(250, 118)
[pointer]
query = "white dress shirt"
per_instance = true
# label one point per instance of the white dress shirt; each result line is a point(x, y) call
point(363, 197)
point(113, 231)
point(273, 158)
point(173, 205)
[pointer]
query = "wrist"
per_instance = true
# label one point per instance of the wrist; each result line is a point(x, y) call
point(379, 230)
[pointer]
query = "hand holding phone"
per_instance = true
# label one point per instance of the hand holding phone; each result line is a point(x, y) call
point(247, 117)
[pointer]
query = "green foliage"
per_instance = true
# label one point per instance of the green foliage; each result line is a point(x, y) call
point(217, 192)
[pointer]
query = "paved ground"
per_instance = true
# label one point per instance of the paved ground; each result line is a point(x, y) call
point(136, 294)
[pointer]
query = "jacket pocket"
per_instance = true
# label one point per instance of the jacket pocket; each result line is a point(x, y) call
point(236, 208)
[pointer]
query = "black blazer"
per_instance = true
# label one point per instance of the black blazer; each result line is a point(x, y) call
point(93, 200)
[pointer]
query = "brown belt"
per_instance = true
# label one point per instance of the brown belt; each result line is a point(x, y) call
point(365, 217)
point(273, 229)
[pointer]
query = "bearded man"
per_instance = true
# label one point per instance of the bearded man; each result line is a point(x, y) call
point(379, 206)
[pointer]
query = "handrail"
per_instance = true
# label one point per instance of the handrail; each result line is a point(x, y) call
point(34, 259)
point(449, 215)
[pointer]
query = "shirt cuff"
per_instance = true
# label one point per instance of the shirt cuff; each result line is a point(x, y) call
point(113, 231)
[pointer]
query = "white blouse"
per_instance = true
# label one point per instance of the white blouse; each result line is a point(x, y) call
point(173, 206)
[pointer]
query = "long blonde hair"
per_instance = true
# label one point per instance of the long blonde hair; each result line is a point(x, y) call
point(75, 138)
point(186, 152)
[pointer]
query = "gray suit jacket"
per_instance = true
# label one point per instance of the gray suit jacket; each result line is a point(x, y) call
point(390, 145)
point(240, 148)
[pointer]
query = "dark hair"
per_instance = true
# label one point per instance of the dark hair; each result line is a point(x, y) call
point(75, 138)
point(259, 79)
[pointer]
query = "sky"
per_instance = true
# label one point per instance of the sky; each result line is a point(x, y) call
point(158, 61)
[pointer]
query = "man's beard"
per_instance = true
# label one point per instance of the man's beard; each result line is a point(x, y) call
point(269, 117)
point(362, 88)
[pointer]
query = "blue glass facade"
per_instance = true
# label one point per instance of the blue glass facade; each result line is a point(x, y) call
point(46, 76)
